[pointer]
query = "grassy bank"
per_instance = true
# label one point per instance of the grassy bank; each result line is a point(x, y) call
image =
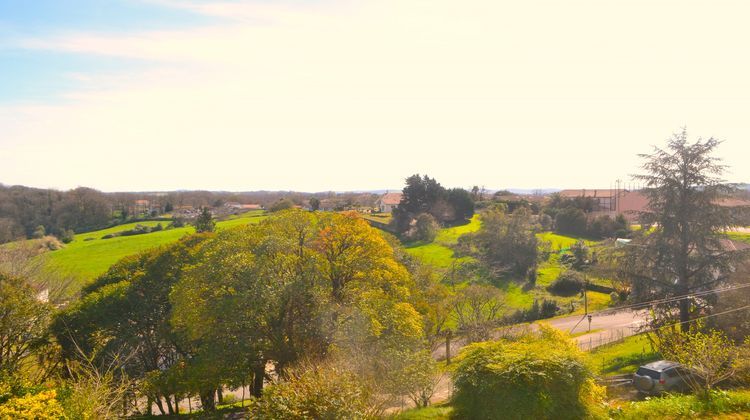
point(88, 255)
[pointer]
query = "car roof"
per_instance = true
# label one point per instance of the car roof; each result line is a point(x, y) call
point(661, 365)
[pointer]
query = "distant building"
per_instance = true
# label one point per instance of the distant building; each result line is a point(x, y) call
point(388, 201)
point(612, 201)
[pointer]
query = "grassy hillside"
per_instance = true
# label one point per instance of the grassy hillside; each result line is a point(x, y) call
point(89, 255)
point(440, 255)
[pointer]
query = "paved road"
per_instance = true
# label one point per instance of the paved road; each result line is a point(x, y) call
point(606, 328)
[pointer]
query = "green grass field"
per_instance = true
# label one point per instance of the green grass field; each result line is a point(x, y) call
point(439, 253)
point(623, 357)
point(89, 256)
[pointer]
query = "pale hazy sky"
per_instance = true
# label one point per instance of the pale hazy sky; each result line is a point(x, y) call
point(341, 95)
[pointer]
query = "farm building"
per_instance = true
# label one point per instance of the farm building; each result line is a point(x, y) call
point(388, 201)
point(612, 201)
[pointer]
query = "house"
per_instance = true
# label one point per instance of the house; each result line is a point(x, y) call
point(612, 202)
point(388, 201)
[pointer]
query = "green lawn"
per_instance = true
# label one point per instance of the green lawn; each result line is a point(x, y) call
point(439, 253)
point(89, 256)
point(623, 357)
point(434, 412)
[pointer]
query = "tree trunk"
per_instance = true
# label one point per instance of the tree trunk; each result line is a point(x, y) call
point(207, 400)
point(220, 394)
point(685, 315)
point(170, 409)
point(259, 372)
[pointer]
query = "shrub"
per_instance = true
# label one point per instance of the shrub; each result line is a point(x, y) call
point(685, 406)
point(427, 228)
point(568, 283)
point(39, 232)
point(41, 406)
point(315, 392)
point(540, 375)
point(547, 309)
point(67, 236)
point(571, 221)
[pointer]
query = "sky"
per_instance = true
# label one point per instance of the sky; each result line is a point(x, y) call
point(319, 95)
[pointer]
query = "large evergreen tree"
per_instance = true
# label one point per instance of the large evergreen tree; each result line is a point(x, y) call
point(686, 249)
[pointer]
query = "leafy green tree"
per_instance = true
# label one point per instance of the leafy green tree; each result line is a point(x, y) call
point(23, 325)
point(711, 356)
point(314, 204)
point(505, 243)
point(684, 251)
point(581, 255)
point(571, 221)
point(461, 202)
point(205, 221)
point(427, 228)
point(282, 204)
point(127, 311)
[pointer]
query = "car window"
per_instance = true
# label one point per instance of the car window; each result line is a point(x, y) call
point(672, 373)
point(642, 371)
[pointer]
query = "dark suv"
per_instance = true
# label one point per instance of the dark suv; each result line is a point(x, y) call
point(662, 376)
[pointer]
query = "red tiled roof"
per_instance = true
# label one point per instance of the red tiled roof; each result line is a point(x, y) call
point(391, 199)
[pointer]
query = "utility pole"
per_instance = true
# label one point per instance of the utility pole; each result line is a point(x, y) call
point(448, 335)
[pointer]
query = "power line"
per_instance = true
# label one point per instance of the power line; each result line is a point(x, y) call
point(660, 301)
point(695, 319)
point(672, 299)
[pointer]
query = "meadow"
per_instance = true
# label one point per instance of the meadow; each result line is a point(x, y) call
point(440, 255)
point(89, 256)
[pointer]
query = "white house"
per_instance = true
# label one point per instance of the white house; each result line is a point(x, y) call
point(388, 201)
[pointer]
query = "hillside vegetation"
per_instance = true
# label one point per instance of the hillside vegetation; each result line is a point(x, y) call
point(89, 256)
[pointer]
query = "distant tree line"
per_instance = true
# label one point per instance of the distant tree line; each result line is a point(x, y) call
point(27, 212)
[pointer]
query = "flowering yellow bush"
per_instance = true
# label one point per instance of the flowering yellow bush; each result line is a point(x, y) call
point(41, 406)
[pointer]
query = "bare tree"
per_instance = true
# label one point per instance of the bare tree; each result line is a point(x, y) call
point(477, 311)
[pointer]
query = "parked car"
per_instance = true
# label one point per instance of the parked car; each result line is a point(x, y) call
point(662, 376)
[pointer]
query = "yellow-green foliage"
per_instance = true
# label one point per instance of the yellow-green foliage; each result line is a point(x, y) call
point(541, 375)
point(41, 406)
point(673, 407)
point(322, 392)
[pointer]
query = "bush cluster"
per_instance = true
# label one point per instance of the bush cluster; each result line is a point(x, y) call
point(137, 230)
point(541, 375)
point(568, 283)
point(322, 392)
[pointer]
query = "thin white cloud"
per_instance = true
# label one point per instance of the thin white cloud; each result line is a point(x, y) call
point(359, 95)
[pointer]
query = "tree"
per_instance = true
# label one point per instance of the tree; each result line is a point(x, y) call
point(684, 251)
point(461, 202)
point(426, 228)
point(168, 207)
point(314, 204)
point(426, 195)
point(205, 221)
point(571, 221)
point(477, 310)
point(711, 356)
point(23, 325)
point(283, 204)
point(505, 243)
point(127, 312)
